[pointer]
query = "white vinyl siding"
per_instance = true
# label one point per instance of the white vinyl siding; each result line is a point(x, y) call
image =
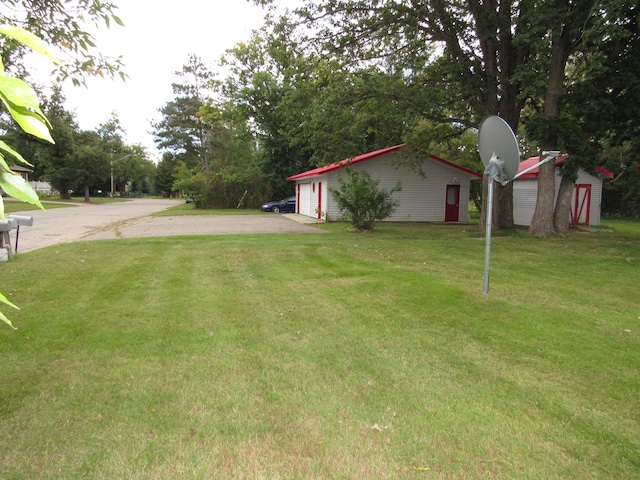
point(325, 199)
point(422, 198)
point(596, 195)
point(525, 192)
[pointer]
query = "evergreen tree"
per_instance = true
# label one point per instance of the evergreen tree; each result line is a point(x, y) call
point(181, 131)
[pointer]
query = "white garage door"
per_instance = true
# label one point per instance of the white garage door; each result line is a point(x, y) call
point(304, 199)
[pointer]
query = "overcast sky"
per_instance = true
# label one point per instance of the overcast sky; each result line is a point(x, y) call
point(156, 41)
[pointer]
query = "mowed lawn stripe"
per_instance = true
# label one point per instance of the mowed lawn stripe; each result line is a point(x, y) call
point(323, 356)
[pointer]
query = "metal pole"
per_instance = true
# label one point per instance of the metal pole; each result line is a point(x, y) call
point(487, 237)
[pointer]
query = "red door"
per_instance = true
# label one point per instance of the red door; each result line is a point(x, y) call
point(319, 200)
point(452, 208)
point(581, 205)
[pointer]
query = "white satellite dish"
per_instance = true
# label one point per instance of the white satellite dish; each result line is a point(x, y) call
point(496, 140)
point(500, 155)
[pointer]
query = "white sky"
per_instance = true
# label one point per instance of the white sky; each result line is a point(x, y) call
point(156, 41)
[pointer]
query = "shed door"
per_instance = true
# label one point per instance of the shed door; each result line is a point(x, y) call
point(452, 208)
point(581, 205)
point(304, 199)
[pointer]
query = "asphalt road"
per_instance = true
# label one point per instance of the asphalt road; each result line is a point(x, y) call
point(131, 219)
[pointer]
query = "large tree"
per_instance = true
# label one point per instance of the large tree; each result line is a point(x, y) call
point(479, 57)
point(235, 176)
point(51, 159)
point(164, 175)
point(133, 171)
point(308, 111)
point(89, 164)
point(568, 22)
point(262, 78)
point(599, 118)
point(459, 59)
point(181, 131)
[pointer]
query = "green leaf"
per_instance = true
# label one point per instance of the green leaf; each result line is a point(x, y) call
point(30, 40)
point(30, 120)
point(18, 92)
point(17, 187)
point(13, 153)
point(22, 102)
point(4, 166)
point(6, 301)
point(6, 320)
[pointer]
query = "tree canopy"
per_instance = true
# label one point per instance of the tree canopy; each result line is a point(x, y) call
point(456, 62)
point(337, 78)
point(62, 24)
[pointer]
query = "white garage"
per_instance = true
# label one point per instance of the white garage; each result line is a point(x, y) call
point(433, 189)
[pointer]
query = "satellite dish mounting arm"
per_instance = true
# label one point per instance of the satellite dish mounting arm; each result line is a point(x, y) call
point(495, 170)
point(549, 155)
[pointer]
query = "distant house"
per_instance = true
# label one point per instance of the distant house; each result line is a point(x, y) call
point(23, 171)
point(587, 196)
point(41, 187)
point(436, 192)
point(38, 186)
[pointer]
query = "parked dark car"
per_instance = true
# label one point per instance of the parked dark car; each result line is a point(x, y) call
point(285, 205)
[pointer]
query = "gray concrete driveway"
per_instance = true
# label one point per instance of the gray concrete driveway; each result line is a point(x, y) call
point(132, 219)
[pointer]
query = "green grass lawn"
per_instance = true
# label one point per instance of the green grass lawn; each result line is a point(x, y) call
point(12, 206)
point(340, 355)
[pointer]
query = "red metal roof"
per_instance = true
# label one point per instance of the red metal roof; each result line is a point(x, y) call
point(534, 173)
point(368, 156)
point(532, 161)
point(604, 172)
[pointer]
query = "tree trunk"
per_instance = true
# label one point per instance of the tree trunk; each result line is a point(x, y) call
point(504, 212)
point(561, 216)
point(87, 198)
point(542, 222)
point(477, 202)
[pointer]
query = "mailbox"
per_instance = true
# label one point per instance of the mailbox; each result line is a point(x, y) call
point(22, 220)
point(14, 221)
point(9, 224)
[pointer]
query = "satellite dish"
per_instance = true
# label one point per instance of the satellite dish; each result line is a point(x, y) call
point(500, 155)
point(495, 136)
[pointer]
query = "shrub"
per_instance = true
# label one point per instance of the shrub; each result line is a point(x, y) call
point(362, 201)
point(226, 188)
